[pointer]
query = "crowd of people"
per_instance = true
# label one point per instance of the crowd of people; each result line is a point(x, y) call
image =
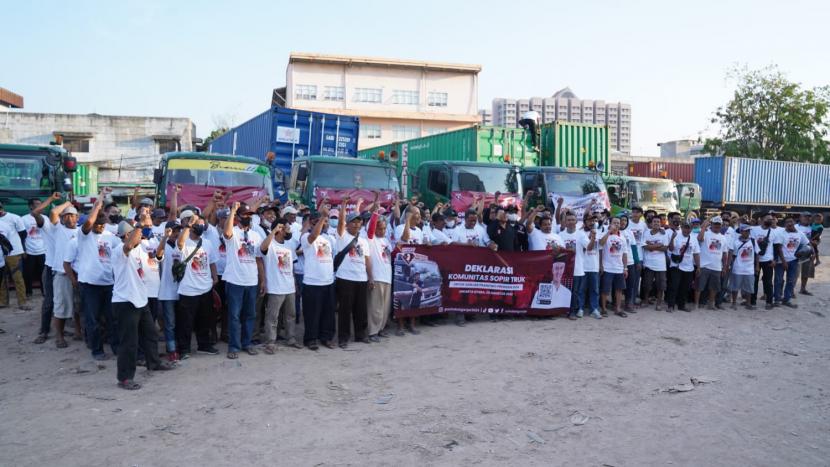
point(246, 274)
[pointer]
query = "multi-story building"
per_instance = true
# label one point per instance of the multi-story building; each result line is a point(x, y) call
point(125, 149)
point(395, 99)
point(564, 105)
point(681, 148)
point(485, 117)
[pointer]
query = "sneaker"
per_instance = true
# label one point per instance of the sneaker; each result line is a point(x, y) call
point(173, 357)
point(413, 331)
point(100, 356)
point(789, 304)
point(603, 313)
point(184, 355)
point(374, 339)
point(313, 345)
point(210, 350)
point(383, 334)
point(804, 292)
point(366, 340)
point(572, 316)
point(596, 314)
point(580, 313)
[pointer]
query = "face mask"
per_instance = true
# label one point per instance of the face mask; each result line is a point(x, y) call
point(450, 224)
point(513, 217)
point(116, 218)
point(146, 232)
point(287, 236)
point(767, 223)
point(198, 229)
point(333, 223)
point(696, 230)
point(299, 220)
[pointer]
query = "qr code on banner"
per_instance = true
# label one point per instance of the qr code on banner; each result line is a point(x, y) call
point(545, 295)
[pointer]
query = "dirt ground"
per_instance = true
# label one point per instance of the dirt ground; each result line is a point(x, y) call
point(513, 392)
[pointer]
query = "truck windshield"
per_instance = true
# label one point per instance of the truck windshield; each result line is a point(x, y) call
point(485, 179)
point(342, 176)
point(23, 172)
point(219, 174)
point(688, 189)
point(574, 184)
point(660, 193)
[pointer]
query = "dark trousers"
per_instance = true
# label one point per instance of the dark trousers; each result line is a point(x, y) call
point(223, 314)
point(351, 307)
point(318, 313)
point(679, 284)
point(48, 304)
point(768, 272)
point(194, 314)
point(96, 308)
point(135, 328)
point(32, 271)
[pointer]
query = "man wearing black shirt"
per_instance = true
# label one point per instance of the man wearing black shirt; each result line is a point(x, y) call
point(503, 236)
point(514, 220)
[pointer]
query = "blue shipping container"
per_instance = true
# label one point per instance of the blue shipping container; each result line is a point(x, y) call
point(759, 182)
point(290, 133)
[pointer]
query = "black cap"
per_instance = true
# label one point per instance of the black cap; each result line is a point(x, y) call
point(512, 208)
point(172, 225)
point(450, 213)
point(438, 217)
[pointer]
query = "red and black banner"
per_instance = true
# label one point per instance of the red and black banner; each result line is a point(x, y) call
point(464, 279)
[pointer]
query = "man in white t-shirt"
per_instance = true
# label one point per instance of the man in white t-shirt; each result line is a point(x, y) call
point(714, 248)
point(34, 246)
point(95, 278)
point(787, 265)
point(168, 297)
point(613, 267)
point(412, 235)
point(129, 303)
point(542, 238)
point(318, 283)
point(37, 228)
point(472, 233)
point(656, 242)
point(743, 257)
point(576, 241)
point(380, 295)
point(354, 278)
point(11, 225)
point(194, 312)
point(244, 278)
point(637, 226)
point(278, 252)
point(61, 229)
point(438, 233)
point(682, 274)
point(768, 241)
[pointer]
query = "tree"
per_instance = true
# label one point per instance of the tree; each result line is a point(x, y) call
point(213, 135)
point(770, 117)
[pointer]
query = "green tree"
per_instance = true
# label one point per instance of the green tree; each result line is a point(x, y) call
point(213, 135)
point(771, 117)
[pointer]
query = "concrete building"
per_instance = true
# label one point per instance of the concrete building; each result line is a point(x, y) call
point(395, 99)
point(125, 149)
point(485, 117)
point(564, 105)
point(681, 148)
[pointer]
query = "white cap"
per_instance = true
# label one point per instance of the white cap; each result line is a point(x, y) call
point(185, 214)
point(289, 210)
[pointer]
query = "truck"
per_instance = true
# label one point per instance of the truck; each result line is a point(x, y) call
point(625, 192)
point(33, 171)
point(200, 174)
point(576, 145)
point(748, 185)
point(315, 178)
point(577, 188)
point(280, 134)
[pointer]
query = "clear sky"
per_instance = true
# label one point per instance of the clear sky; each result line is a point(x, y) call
point(219, 60)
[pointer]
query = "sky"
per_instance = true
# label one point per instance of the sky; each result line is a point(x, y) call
point(218, 61)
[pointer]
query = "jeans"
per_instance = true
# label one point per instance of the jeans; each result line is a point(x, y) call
point(96, 305)
point(48, 305)
point(768, 272)
point(318, 313)
point(632, 285)
point(33, 270)
point(135, 328)
point(592, 286)
point(168, 313)
point(578, 295)
point(791, 268)
point(241, 315)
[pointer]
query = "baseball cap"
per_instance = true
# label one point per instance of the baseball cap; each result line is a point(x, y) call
point(185, 214)
point(69, 210)
point(694, 220)
point(512, 208)
point(450, 213)
point(124, 228)
point(223, 213)
point(172, 225)
point(744, 227)
point(353, 216)
point(159, 213)
point(334, 213)
point(147, 201)
point(289, 210)
point(438, 217)
point(244, 209)
point(717, 220)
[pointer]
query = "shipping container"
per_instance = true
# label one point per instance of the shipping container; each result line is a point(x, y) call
point(85, 180)
point(738, 181)
point(290, 133)
point(488, 144)
point(577, 145)
point(677, 171)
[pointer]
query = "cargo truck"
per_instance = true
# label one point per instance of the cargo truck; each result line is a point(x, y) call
point(577, 188)
point(279, 135)
point(316, 178)
point(200, 174)
point(28, 172)
point(626, 192)
point(576, 145)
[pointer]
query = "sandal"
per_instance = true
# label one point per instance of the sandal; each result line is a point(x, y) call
point(233, 355)
point(40, 339)
point(61, 344)
point(252, 351)
point(621, 314)
point(269, 349)
point(129, 385)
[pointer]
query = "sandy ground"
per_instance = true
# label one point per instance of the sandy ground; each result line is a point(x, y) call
point(513, 392)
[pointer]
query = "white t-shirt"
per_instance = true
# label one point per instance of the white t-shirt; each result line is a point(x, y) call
point(612, 254)
point(70, 255)
point(353, 267)
point(477, 235)
point(439, 237)
point(712, 250)
point(150, 266)
point(168, 288)
point(759, 233)
point(416, 236)
point(13, 225)
point(630, 245)
point(790, 241)
point(744, 261)
point(656, 260)
point(112, 228)
point(241, 268)
point(576, 242)
point(380, 250)
point(48, 231)
point(129, 276)
point(319, 260)
point(158, 230)
point(95, 257)
point(220, 252)
point(638, 230)
point(590, 262)
point(688, 262)
point(197, 279)
point(35, 244)
point(279, 267)
point(540, 241)
point(807, 230)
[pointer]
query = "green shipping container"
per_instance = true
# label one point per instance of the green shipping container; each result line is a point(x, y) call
point(85, 180)
point(578, 145)
point(490, 144)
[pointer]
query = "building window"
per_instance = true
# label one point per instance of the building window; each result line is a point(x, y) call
point(437, 99)
point(371, 131)
point(435, 131)
point(402, 132)
point(405, 97)
point(76, 144)
point(168, 145)
point(372, 95)
point(306, 92)
point(334, 93)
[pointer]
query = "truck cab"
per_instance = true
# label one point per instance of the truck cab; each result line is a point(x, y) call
point(460, 183)
point(28, 172)
point(625, 192)
point(200, 174)
point(314, 178)
point(578, 187)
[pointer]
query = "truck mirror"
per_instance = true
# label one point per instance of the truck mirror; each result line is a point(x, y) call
point(67, 184)
point(302, 173)
point(157, 176)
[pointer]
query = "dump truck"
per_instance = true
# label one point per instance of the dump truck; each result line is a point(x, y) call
point(33, 171)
